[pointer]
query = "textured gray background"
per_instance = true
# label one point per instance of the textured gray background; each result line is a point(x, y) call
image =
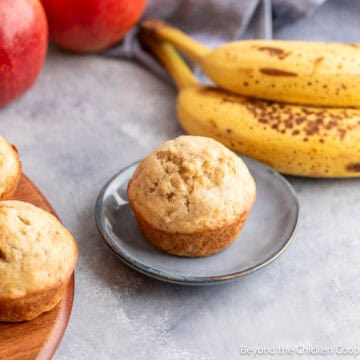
point(86, 118)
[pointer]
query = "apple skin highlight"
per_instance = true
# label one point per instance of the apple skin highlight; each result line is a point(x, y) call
point(92, 25)
point(23, 46)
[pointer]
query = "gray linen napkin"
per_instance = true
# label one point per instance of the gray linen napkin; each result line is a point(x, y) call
point(214, 22)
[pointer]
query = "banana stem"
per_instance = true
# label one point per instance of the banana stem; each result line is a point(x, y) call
point(194, 50)
point(175, 65)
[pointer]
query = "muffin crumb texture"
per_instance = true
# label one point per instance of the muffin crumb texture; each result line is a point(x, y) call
point(10, 169)
point(37, 258)
point(191, 184)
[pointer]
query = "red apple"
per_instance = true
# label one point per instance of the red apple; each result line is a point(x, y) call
point(91, 25)
point(23, 45)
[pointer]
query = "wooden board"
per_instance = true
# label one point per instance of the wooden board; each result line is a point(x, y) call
point(38, 338)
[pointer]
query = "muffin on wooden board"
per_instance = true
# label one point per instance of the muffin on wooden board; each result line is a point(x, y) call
point(37, 258)
point(10, 169)
point(191, 196)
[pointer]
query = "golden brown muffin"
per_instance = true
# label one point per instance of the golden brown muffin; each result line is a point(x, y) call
point(10, 169)
point(37, 257)
point(191, 196)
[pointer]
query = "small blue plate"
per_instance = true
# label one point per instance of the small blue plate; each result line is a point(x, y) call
point(265, 235)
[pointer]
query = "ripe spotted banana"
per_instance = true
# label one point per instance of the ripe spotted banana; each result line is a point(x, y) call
point(296, 140)
point(311, 73)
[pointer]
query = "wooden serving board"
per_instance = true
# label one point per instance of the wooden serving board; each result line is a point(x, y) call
point(38, 338)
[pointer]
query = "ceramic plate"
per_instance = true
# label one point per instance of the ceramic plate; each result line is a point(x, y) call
point(266, 234)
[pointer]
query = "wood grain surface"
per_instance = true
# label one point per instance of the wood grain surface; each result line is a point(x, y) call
point(38, 338)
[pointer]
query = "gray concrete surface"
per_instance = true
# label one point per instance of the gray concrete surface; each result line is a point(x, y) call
point(86, 118)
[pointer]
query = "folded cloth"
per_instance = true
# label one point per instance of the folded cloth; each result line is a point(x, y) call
point(214, 22)
point(285, 11)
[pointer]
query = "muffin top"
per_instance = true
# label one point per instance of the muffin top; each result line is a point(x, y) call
point(9, 165)
point(191, 184)
point(36, 251)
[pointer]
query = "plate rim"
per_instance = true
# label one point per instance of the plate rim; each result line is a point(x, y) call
point(195, 280)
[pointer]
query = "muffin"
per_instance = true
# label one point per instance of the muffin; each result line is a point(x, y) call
point(37, 258)
point(191, 196)
point(10, 169)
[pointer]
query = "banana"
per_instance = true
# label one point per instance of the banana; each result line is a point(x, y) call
point(312, 73)
point(295, 140)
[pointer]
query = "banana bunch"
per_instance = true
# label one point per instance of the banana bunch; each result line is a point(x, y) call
point(326, 74)
point(293, 139)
